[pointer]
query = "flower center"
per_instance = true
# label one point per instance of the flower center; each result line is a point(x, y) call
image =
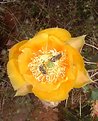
point(48, 65)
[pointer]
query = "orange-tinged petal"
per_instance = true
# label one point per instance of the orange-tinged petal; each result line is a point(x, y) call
point(44, 86)
point(23, 60)
point(14, 51)
point(75, 62)
point(36, 43)
point(16, 78)
point(56, 95)
point(80, 72)
point(78, 60)
point(54, 42)
point(50, 91)
point(82, 79)
point(77, 42)
point(43, 41)
point(60, 33)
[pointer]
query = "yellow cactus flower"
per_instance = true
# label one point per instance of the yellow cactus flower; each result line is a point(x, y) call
point(48, 65)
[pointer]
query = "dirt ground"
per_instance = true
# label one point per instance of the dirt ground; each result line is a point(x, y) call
point(21, 19)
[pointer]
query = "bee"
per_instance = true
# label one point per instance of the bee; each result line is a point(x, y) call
point(42, 69)
point(56, 57)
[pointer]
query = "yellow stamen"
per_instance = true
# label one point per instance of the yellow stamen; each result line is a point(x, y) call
point(43, 69)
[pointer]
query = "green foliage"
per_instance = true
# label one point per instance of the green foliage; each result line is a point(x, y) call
point(86, 89)
point(94, 94)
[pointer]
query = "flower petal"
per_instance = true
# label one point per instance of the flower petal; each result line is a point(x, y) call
point(77, 42)
point(82, 79)
point(23, 60)
point(43, 86)
point(36, 43)
point(50, 91)
point(56, 95)
point(16, 78)
point(43, 41)
point(60, 33)
point(24, 90)
point(14, 51)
